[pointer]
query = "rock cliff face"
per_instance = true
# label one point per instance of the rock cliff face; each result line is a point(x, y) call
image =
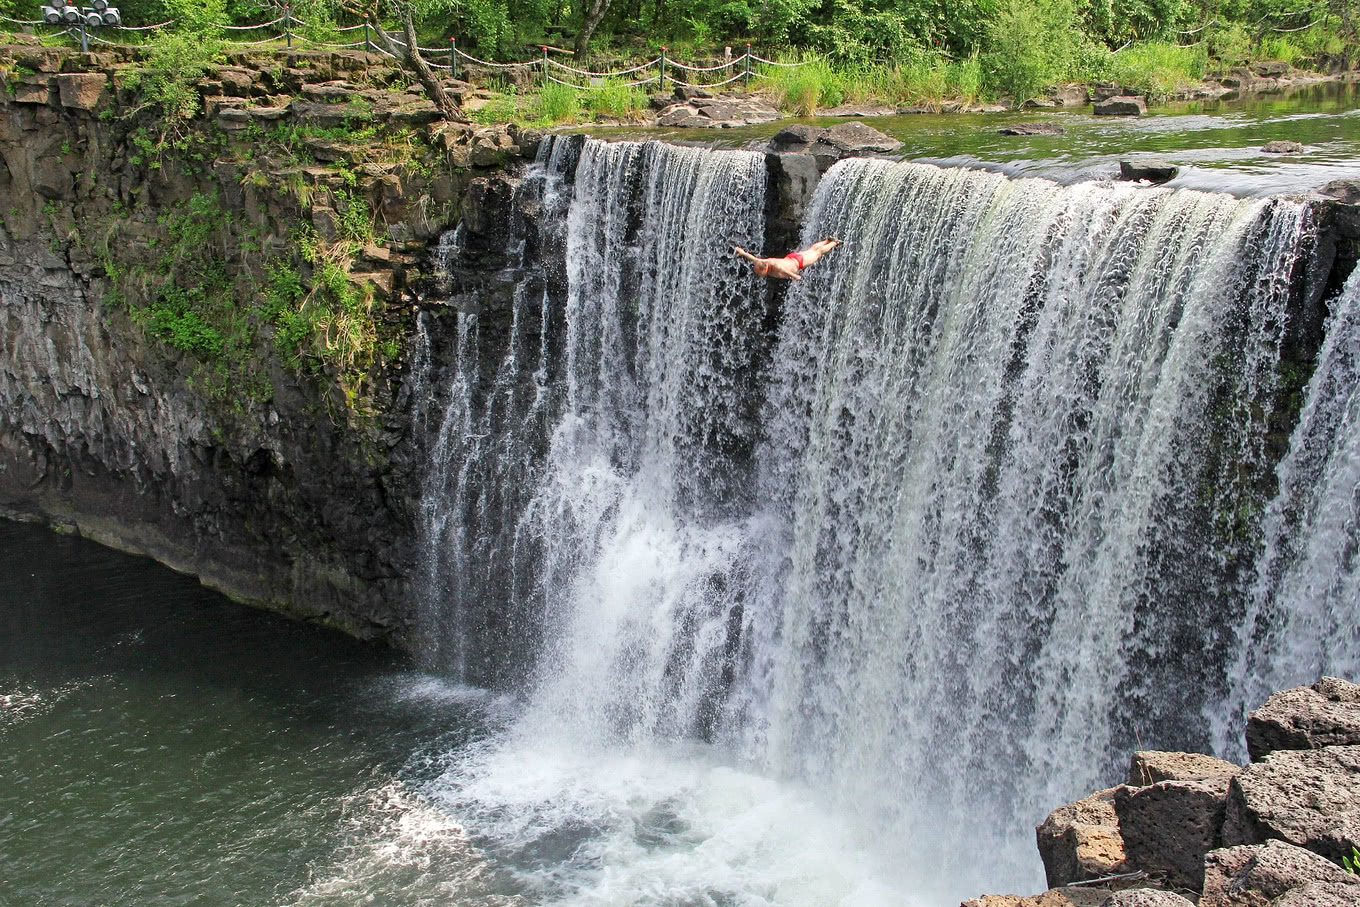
point(227, 442)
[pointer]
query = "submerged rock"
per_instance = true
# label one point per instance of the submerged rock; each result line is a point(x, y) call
point(710, 113)
point(1032, 129)
point(1121, 106)
point(1282, 147)
point(858, 138)
point(1152, 171)
point(797, 138)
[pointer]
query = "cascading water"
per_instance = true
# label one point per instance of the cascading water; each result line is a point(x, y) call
point(1304, 614)
point(819, 617)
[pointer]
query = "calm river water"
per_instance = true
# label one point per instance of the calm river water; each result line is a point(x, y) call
point(161, 745)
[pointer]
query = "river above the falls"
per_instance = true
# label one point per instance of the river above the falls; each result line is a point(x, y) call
point(1217, 144)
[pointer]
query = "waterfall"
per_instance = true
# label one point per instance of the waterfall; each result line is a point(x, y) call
point(912, 550)
point(1303, 618)
point(1011, 430)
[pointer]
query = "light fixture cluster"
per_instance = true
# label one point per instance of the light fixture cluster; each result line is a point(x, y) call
point(96, 14)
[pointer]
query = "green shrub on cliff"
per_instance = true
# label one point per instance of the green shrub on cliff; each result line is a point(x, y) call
point(1352, 862)
point(167, 81)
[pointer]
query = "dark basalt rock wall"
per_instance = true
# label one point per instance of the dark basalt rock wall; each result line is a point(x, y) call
point(301, 498)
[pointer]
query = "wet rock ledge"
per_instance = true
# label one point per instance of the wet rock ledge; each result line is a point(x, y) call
point(1188, 828)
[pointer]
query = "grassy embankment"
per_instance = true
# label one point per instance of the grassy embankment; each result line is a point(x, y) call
point(1010, 73)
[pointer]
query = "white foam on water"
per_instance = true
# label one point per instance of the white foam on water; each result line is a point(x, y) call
point(400, 848)
point(659, 825)
point(24, 702)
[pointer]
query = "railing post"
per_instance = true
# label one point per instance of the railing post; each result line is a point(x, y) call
point(663, 67)
point(748, 66)
point(545, 66)
point(453, 57)
point(288, 24)
point(368, 44)
point(84, 41)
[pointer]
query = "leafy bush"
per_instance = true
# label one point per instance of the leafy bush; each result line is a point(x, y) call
point(1231, 46)
point(168, 80)
point(1030, 46)
point(501, 109)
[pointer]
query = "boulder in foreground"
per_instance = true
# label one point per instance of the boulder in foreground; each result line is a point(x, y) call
point(1326, 713)
point(1254, 876)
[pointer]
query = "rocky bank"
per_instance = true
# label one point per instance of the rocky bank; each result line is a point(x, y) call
point(1188, 828)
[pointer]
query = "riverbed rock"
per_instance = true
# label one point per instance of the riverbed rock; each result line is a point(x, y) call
point(1328, 712)
point(1310, 798)
point(1081, 841)
point(1150, 170)
point(1253, 876)
point(1103, 91)
point(1070, 95)
point(1146, 897)
point(1032, 129)
point(1150, 766)
point(859, 138)
point(797, 138)
point(1344, 206)
point(1270, 68)
point(717, 113)
point(1121, 106)
point(1282, 146)
point(1169, 826)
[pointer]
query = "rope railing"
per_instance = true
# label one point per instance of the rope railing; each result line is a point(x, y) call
point(284, 30)
point(254, 27)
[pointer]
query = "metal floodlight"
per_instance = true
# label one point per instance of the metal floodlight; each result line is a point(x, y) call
point(51, 15)
point(91, 18)
point(112, 16)
point(70, 15)
point(100, 5)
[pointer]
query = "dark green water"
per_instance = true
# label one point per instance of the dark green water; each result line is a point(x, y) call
point(160, 745)
point(1216, 143)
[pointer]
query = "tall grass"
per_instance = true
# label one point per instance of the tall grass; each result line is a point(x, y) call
point(558, 103)
point(616, 98)
point(801, 90)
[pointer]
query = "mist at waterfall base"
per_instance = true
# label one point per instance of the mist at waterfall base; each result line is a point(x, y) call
point(832, 603)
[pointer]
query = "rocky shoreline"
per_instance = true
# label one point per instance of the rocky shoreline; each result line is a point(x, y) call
point(687, 108)
point(1188, 828)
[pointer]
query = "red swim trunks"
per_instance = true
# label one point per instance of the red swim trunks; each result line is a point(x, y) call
point(797, 259)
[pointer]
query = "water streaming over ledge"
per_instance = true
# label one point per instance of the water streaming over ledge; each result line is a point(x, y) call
point(987, 510)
